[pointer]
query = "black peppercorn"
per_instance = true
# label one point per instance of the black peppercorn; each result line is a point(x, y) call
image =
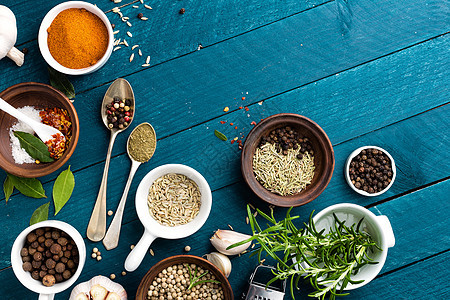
point(140, 15)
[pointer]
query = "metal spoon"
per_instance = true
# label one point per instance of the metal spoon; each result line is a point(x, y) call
point(111, 239)
point(97, 224)
point(43, 131)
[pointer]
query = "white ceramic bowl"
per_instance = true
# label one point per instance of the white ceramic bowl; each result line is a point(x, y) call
point(153, 229)
point(378, 227)
point(25, 277)
point(347, 168)
point(47, 21)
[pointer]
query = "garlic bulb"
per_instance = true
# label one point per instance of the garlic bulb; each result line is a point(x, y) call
point(222, 239)
point(8, 36)
point(221, 261)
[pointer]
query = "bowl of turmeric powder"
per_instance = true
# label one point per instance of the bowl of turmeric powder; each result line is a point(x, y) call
point(76, 38)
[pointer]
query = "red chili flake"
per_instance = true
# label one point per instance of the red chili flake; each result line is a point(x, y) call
point(232, 141)
point(243, 98)
point(231, 124)
point(222, 122)
point(253, 123)
point(241, 107)
point(246, 108)
point(235, 127)
point(59, 119)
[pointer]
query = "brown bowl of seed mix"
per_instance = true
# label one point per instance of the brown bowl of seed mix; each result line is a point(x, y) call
point(287, 160)
point(187, 274)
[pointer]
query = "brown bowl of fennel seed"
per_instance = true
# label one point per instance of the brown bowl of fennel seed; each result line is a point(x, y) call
point(287, 160)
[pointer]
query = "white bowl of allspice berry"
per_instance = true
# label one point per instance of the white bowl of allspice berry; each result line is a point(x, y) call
point(75, 38)
point(370, 171)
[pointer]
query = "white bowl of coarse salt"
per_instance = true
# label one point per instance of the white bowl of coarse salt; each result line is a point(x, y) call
point(30, 98)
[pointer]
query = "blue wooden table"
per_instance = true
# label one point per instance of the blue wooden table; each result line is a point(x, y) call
point(368, 72)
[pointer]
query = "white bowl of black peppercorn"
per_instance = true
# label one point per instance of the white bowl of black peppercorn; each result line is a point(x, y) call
point(370, 173)
point(25, 277)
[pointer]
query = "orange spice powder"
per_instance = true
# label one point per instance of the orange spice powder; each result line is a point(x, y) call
point(77, 38)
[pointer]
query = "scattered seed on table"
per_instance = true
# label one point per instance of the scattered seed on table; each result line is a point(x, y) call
point(187, 248)
point(132, 247)
point(95, 250)
point(182, 11)
point(99, 258)
point(112, 276)
point(110, 212)
point(116, 32)
point(142, 1)
point(144, 18)
point(117, 1)
point(260, 103)
point(246, 220)
point(125, 43)
point(129, 24)
point(129, 34)
point(226, 109)
point(231, 227)
point(140, 52)
point(147, 6)
point(140, 15)
point(135, 6)
point(125, 18)
point(251, 206)
point(147, 61)
point(255, 213)
point(146, 65)
point(116, 9)
point(151, 252)
point(99, 253)
point(124, 273)
point(134, 47)
point(253, 246)
point(94, 255)
point(131, 57)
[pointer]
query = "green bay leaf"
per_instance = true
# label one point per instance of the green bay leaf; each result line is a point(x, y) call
point(60, 82)
point(30, 187)
point(8, 188)
point(220, 135)
point(40, 214)
point(34, 146)
point(62, 189)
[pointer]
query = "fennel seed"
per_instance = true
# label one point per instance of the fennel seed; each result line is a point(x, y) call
point(282, 174)
point(174, 199)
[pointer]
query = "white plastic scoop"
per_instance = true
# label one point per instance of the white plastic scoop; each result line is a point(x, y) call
point(44, 132)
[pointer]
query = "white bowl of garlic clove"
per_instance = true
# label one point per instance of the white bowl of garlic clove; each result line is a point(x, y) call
point(98, 288)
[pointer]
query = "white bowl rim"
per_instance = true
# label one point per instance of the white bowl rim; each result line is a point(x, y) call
point(180, 231)
point(25, 277)
point(48, 19)
point(347, 168)
point(371, 218)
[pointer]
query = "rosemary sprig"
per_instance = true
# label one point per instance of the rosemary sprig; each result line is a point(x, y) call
point(327, 259)
point(194, 279)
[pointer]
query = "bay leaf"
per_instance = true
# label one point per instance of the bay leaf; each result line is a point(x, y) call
point(30, 187)
point(60, 82)
point(8, 188)
point(36, 148)
point(62, 189)
point(220, 135)
point(40, 214)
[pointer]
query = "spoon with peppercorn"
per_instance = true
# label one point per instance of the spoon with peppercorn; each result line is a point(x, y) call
point(117, 115)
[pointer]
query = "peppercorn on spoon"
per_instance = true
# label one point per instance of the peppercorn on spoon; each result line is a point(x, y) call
point(111, 239)
point(97, 224)
point(43, 131)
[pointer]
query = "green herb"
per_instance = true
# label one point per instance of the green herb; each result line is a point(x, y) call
point(30, 187)
point(59, 81)
point(62, 189)
point(34, 146)
point(194, 279)
point(8, 188)
point(328, 260)
point(220, 135)
point(40, 214)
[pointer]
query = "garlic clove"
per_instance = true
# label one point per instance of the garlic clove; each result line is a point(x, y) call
point(220, 261)
point(105, 282)
point(113, 296)
point(81, 296)
point(98, 292)
point(222, 239)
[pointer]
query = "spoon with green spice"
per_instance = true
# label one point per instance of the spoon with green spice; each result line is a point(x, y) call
point(120, 89)
point(141, 145)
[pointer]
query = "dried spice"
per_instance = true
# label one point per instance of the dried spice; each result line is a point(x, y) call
point(174, 199)
point(283, 174)
point(142, 143)
point(57, 118)
point(119, 113)
point(77, 38)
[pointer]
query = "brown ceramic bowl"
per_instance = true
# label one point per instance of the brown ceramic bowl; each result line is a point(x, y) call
point(142, 290)
point(323, 158)
point(41, 96)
